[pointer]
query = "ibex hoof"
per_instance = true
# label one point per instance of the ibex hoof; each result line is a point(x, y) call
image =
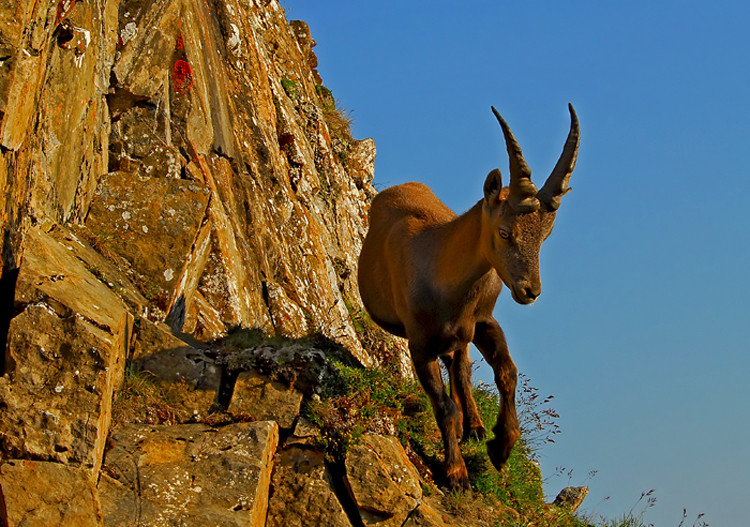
point(459, 483)
point(499, 452)
point(457, 478)
point(478, 434)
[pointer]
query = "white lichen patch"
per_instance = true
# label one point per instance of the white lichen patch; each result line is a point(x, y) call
point(128, 32)
point(234, 43)
point(169, 274)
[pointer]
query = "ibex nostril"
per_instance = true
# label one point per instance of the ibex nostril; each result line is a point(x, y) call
point(531, 294)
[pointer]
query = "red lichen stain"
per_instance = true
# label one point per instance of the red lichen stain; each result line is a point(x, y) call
point(64, 7)
point(180, 41)
point(182, 76)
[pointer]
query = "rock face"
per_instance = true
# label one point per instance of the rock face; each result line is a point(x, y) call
point(194, 147)
point(169, 171)
point(189, 474)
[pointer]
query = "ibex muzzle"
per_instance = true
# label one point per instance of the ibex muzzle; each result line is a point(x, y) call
point(434, 277)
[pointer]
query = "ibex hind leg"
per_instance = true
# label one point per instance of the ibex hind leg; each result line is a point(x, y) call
point(469, 424)
point(446, 416)
point(490, 340)
point(455, 395)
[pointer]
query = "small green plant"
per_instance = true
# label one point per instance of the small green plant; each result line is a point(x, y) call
point(338, 120)
point(290, 87)
point(373, 400)
point(325, 95)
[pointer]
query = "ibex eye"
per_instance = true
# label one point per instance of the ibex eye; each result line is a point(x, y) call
point(504, 234)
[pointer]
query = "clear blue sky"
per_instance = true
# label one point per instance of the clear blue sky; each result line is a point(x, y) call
point(641, 331)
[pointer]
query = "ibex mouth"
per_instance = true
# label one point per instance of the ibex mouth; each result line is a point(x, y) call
point(524, 295)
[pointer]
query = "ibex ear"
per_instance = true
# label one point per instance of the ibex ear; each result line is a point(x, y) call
point(492, 186)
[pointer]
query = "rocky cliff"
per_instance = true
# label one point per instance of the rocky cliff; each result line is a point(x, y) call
point(169, 171)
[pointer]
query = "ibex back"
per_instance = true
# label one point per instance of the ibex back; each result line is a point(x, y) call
point(434, 277)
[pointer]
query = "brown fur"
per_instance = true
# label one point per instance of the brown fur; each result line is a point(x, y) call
point(434, 277)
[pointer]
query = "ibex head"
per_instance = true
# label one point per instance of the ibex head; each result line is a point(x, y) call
point(518, 218)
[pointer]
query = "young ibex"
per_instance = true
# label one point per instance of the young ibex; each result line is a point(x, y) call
point(434, 277)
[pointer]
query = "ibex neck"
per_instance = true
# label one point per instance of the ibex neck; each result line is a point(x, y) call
point(461, 263)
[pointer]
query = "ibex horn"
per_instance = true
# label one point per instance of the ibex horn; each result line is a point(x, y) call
point(523, 192)
point(556, 185)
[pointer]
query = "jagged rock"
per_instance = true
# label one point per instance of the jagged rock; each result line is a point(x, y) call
point(384, 483)
point(571, 498)
point(265, 400)
point(306, 43)
point(78, 240)
point(62, 118)
point(299, 364)
point(153, 223)
point(361, 164)
point(53, 272)
point(232, 279)
point(37, 493)
point(66, 353)
point(189, 474)
point(302, 492)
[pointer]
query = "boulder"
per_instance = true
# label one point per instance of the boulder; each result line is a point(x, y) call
point(43, 494)
point(55, 271)
point(383, 482)
point(570, 498)
point(154, 224)
point(190, 474)
point(302, 492)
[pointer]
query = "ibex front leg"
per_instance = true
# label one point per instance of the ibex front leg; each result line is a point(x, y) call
point(490, 340)
point(446, 416)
